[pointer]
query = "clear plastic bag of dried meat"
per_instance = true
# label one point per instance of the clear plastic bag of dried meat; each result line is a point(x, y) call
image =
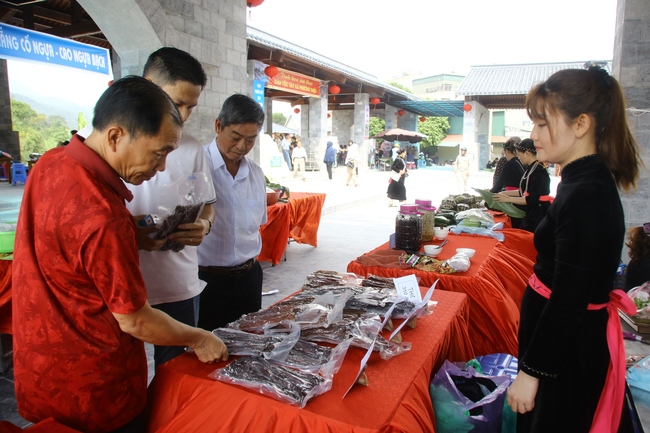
point(182, 203)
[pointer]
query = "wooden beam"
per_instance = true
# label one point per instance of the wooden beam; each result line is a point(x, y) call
point(28, 17)
point(52, 15)
point(6, 13)
point(76, 16)
point(81, 29)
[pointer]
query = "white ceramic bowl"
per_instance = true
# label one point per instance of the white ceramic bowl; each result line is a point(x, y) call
point(441, 233)
point(469, 252)
point(432, 250)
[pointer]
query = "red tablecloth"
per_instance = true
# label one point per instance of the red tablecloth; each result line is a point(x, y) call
point(494, 283)
point(183, 399)
point(298, 220)
point(5, 296)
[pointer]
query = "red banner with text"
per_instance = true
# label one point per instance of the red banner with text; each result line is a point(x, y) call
point(295, 83)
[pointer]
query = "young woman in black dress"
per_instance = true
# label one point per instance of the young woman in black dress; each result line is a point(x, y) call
point(571, 354)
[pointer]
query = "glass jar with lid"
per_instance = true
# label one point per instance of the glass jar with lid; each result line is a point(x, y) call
point(428, 218)
point(408, 228)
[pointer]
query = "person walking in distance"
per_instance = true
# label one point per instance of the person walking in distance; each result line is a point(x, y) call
point(461, 169)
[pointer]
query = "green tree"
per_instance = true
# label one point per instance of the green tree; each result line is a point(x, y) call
point(38, 133)
point(435, 128)
point(400, 86)
point(81, 121)
point(279, 118)
point(377, 125)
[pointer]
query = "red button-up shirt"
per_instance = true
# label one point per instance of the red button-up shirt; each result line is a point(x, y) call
point(76, 263)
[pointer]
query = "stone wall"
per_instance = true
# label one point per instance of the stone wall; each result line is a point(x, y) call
point(632, 68)
point(213, 31)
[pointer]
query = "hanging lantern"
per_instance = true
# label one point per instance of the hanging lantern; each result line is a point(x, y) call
point(423, 119)
point(253, 3)
point(467, 107)
point(334, 89)
point(110, 83)
point(271, 71)
point(401, 112)
point(296, 110)
point(375, 101)
point(329, 115)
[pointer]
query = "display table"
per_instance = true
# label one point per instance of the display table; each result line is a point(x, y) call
point(494, 283)
point(297, 220)
point(182, 398)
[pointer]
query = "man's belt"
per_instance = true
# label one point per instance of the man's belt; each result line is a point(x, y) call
point(229, 271)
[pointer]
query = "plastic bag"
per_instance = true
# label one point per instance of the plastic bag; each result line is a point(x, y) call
point(182, 203)
point(638, 375)
point(480, 231)
point(459, 262)
point(475, 215)
point(465, 400)
point(640, 295)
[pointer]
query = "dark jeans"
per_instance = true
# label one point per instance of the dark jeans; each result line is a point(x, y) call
point(287, 159)
point(329, 169)
point(187, 312)
point(226, 298)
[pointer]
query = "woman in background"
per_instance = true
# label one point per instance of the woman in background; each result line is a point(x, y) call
point(396, 189)
point(534, 187)
point(637, 271)
point(568, 379)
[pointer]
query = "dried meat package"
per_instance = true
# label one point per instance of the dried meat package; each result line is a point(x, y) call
point(280, 382)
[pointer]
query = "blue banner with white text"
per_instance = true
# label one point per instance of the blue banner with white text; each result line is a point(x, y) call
point(19, 43)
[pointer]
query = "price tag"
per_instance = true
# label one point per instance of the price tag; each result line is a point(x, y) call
point(408, 287)
point(362, 367)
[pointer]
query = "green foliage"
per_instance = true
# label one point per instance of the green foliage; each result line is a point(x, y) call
point(377, 125)
point(279, 118)
point(38, 133)
point(435, 128)
point(81, 121)
point(400, 86)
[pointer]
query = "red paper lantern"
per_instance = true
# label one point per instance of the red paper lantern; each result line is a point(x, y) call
point(253, 3)
point(271, 71)
point(401, 112)
point(423, 119)
point(375, 101)
point(329, 115)
point(467, 107)
point(296, 110)
point(334, 89)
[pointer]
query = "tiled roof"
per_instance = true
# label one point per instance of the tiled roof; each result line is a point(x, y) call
point(513, 79)
point(273, 42)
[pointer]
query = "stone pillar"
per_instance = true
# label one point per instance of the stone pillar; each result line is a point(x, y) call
point(390, 114)
point(476, 135)
point(408, 121)
point(343, 122)
point(361, 118)
point(9, 141)
point(631, 66)
point(268, 116)
point(315, 145)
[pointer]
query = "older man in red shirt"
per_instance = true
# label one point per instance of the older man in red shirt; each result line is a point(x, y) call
point(80, 305)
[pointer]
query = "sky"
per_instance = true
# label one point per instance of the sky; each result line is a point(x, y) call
point(390, 38)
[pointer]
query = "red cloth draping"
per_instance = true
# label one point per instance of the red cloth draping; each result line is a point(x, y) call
point(5, 296)
point(494, 283)
point(306, 210)
point(275, 233)
point(183, 399)
point(298, 220)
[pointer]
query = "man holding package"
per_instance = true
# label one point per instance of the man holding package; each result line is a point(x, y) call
point(79, 302)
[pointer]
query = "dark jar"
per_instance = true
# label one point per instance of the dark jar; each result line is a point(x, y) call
point(408, 229)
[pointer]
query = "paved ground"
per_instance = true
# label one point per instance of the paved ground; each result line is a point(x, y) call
point(355, 220)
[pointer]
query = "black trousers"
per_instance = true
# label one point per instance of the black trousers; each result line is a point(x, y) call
point(329, 169)
point(226, 298)
point(186, 312)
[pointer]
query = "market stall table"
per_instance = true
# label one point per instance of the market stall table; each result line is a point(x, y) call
point(182, 398)
point(297, 220)
point(494, 283)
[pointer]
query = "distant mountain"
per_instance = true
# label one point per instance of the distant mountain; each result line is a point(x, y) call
point(57, 107)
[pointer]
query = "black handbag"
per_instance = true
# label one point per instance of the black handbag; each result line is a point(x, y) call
point(349, 164)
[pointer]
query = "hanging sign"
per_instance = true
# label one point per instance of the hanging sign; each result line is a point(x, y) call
point(295, 83)
point(19, 43)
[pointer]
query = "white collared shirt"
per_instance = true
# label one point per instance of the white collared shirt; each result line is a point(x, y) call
point(240, 209)
point(299, 152)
